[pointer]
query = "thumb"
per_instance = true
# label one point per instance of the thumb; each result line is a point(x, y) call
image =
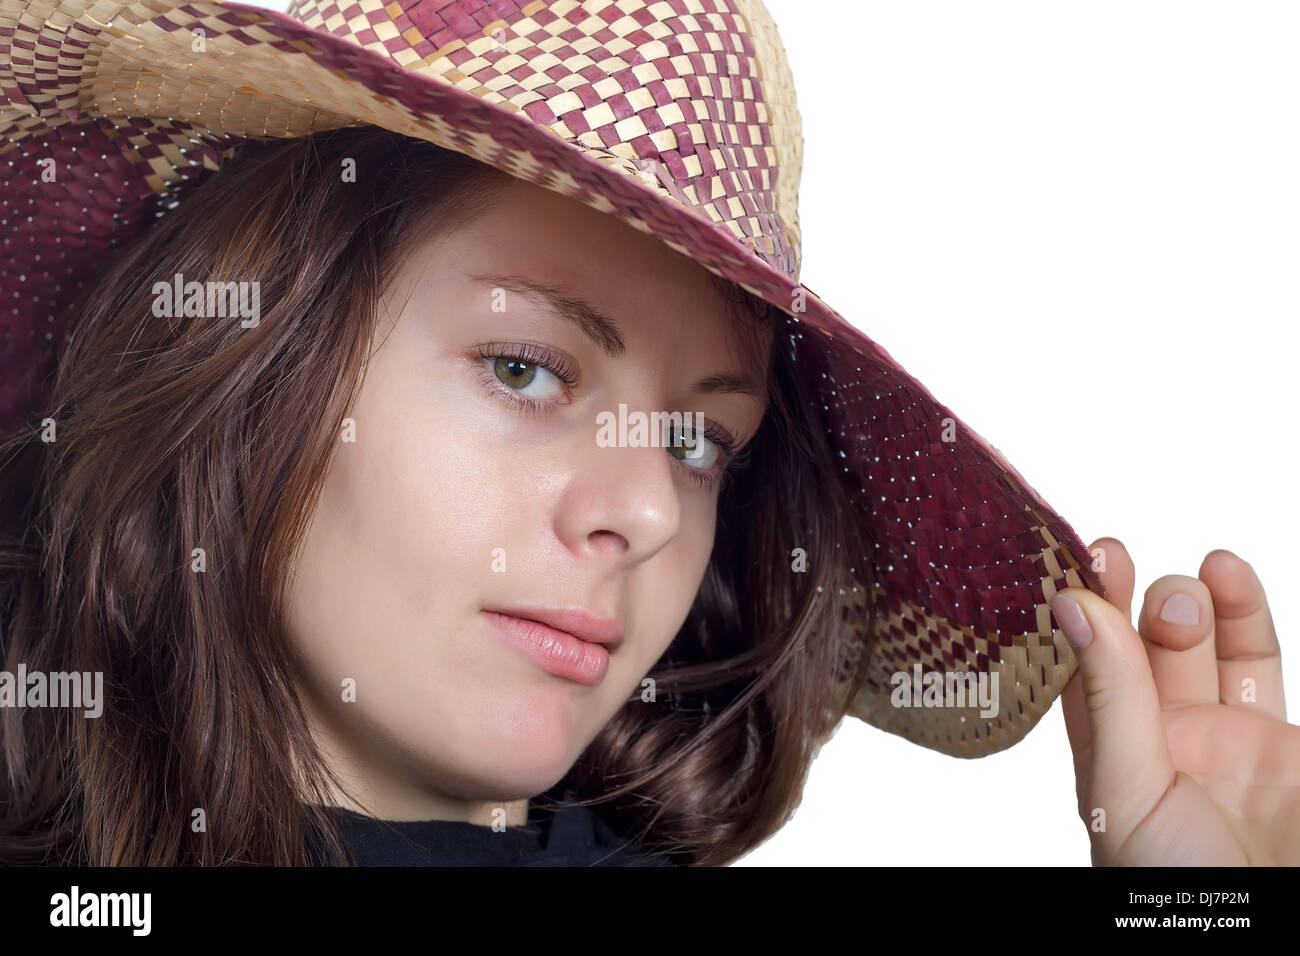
point(1130, 764)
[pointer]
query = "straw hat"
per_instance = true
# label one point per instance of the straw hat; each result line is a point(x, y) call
point(677, 116)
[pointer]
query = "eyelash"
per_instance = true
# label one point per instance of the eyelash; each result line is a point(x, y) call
point(562, 370)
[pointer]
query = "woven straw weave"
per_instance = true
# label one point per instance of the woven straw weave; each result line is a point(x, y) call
point(677, 116)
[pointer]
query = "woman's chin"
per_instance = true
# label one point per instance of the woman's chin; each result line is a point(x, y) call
point(515, 776)
point(524, 746)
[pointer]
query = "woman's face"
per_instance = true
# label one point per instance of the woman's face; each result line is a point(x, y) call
point(477, 478)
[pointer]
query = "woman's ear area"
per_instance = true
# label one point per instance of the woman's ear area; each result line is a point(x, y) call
point(756, 322)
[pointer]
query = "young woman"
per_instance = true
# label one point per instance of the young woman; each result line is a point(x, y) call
point(344, 488)
point(294, 553)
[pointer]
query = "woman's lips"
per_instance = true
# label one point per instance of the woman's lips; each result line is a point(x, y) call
point(557, 652)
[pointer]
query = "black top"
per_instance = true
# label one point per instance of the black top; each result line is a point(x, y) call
point(571, 836)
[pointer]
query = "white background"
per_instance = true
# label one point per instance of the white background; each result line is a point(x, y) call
point(1079, 225)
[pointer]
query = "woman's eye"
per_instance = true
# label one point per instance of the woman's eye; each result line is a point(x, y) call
point(696, 450)
point(519, 375)
point(533, 380)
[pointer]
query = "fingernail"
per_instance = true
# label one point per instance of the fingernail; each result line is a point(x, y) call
point(1180, 608)
point(1072, 621)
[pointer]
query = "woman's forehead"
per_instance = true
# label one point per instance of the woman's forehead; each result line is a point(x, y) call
point(541, 237)
point(541, 228)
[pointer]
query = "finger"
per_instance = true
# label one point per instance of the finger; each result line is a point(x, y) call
point(1113, 564)
point(1130, 763)
point(1245, 638)
point(1076, 729)
point(1177, 625)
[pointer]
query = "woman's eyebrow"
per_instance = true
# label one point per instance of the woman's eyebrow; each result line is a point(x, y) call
point(597, 326)
point(600, 328)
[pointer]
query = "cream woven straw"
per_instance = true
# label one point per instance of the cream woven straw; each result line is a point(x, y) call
point(677, 116)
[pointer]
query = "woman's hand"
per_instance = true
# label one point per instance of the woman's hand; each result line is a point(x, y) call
point(1182, 752)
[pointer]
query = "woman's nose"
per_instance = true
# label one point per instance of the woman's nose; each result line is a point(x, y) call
point(625, 498)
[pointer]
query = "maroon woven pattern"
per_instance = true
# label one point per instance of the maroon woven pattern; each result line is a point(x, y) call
point(964, 556)
point(59, 234)
point(718, 134)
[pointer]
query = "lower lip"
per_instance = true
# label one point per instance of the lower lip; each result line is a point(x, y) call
point(557, 652)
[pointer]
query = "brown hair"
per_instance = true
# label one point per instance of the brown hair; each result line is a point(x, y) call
point(173, 436)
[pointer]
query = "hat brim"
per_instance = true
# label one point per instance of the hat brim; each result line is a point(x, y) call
point(966, 555)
